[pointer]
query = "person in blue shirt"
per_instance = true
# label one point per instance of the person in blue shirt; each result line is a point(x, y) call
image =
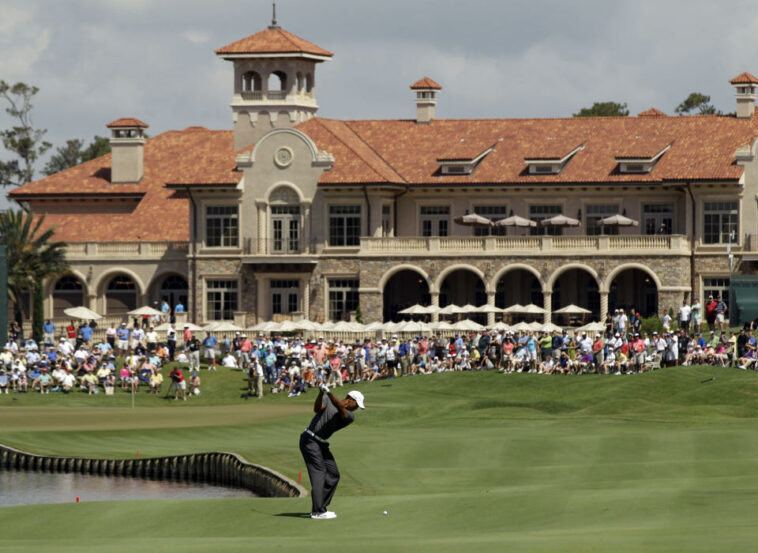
point(179, 308)
point(85, 333)
point(104, 348)
point(48, 330)
point(209, 345)
point(701, 341)
point(52, 355)
point(531, 346)
point(122, 336)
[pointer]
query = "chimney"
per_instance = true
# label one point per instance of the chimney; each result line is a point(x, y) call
point(127, 150)
point(426, 99)
point(744, 85)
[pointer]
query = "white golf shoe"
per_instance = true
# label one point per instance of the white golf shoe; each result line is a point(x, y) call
point(324, 516)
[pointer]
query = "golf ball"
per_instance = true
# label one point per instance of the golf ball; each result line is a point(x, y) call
point(385, 512)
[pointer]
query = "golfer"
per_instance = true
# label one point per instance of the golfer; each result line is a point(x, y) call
point(331, 415)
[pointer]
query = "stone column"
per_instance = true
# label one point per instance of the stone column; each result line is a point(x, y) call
point(603, 306)
point(305, 245)
point(547, 304)
point(491, 303)
point(435, 303)
point(260, 245)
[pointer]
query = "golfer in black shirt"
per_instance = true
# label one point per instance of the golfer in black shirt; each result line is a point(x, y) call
point(331, 415)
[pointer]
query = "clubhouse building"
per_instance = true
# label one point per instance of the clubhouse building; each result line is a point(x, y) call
point(290, 215)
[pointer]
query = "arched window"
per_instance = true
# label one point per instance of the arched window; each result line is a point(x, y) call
point(67, 292)
point(309, 83)
point(251, 82)
point(174, 291)
point(120, 295)
point(300, 82)
point(285, 221)
point(277, 81)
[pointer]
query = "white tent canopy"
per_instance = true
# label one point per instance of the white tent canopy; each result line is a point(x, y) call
point(572, 309)
point(419, 310)
point(82, 313)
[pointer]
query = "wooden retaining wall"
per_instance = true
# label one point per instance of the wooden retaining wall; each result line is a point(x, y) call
point(224, 469)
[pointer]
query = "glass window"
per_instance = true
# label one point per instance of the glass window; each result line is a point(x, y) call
point(720, 222)
point(285, 228)
point(387, 229)
point(539, 212)
point(344, 225)
point(716, 287)
point(285, 296)
point(343, 297)
point(222, 299)
point(221, 227)
point(595, 212)
point(493, 213)
point(658, 218)
point(435, 220)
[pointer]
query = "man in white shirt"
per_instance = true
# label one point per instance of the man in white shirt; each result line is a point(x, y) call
point(65, 348)
point(685, 311)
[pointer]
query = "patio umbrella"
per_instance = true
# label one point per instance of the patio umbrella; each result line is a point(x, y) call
point(535, 326)
point(521, 327)
point(468, 308)
point(550, 327)
point(391, 326)
point(82, 312)
point(305, 324)
point(146, 310)
point(419, 310)
point(532, 309)
point(501, 326)
point(560, 221)
point(223, 327)
point(344, 326)
point(515, 221)
point(192, 327)
point(473, 220)
point(288, 326)
point(488, 309)
point(572, 309)
point(267, 326)
point(515, 308)
point(592, 327)
point(468, 325)
point(441, 326)
point(618, 220)
point(451, 309)
point(373, 327)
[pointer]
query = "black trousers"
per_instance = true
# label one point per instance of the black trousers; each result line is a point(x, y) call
point(322, 471)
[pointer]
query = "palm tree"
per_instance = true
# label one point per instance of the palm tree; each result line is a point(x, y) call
point(32, 257)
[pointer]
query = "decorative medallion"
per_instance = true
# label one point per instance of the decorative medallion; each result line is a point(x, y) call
point(283, 156)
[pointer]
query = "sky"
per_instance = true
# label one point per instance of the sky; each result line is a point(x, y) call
point(97, 60)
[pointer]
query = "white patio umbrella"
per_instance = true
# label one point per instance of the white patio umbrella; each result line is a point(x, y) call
point(223, 326)
point(521, 327)
point(305, 324)
point(536, 326)
point(591, 327)
point(146, 310)
point(550, 327)
point(441, 326)
point(488, 309)
point(473, 220)
point(532, 309)
point(178, 327)
point(82, 312)
point(560, 221)
point(618, 220)
point(515, 308)
point(467, 325)
point(345, 326)
point(515, 221)
point(572, 309)
point(501, 326)
point(327, 326)
point(468, 308)
point(373, 327)
point(451, 309)
point(266, 326)
point(419, 310)
point(416, 326)
point(288, 326)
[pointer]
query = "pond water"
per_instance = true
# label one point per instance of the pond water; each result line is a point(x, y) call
point(33, 488)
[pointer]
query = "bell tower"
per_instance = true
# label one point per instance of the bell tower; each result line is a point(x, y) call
point(274, 81)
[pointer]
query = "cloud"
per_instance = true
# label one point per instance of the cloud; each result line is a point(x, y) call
point(196, 36)
point(21, 42)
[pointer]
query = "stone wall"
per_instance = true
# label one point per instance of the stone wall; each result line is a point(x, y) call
point(225, 469)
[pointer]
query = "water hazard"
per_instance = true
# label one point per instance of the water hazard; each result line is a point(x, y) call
point(34, 488)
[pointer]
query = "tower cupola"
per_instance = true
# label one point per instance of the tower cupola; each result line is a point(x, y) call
point(745, 85)
point(426, 99)
point(274, 81)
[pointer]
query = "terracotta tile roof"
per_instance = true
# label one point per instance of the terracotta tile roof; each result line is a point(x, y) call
point(273, 41)
point(160, 214)
point(466, 149)
point(411, 151)
point(652, 112)
point(745, 78)
point(127, 122)
point(643, 146)
point(552, 147)
point(426, 82)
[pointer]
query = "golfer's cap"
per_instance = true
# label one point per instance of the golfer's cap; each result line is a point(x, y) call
point(151, 326)
point(617, 335)
point(62, 339)
point(186, 326)
point(713, 332)
point(244, 336)
point(237, 332)
point(123, 324)
point(358, 397)
point(654, 332)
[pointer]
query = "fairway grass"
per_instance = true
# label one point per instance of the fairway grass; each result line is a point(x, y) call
point(467, 461)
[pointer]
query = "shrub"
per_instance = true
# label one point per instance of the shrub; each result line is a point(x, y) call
point(651, 324)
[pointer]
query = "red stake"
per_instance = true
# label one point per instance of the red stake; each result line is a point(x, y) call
point(138, 454)
point(77, 499)
point(299, 479)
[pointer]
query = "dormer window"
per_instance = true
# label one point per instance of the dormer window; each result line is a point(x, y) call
point(552, 159)
point(642, 154)
point(464, 157)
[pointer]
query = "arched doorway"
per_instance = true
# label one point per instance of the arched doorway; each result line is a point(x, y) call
point(404, 289)
point(634, 289)
point(67, 292)
point(120, 295)
point(462, 287)
point(174, 290)
point(518, 286)
point(579, 287)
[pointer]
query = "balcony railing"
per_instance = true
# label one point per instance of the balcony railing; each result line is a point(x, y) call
point(466, 245)
point(152, 250)
point(284, 247)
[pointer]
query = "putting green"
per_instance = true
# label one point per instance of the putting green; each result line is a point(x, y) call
point(655, 462)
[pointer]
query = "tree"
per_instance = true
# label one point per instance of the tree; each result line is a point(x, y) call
point(697, 101)
point(23, 140)
point(32, 258)
point(604, 109)
point(72, 154)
